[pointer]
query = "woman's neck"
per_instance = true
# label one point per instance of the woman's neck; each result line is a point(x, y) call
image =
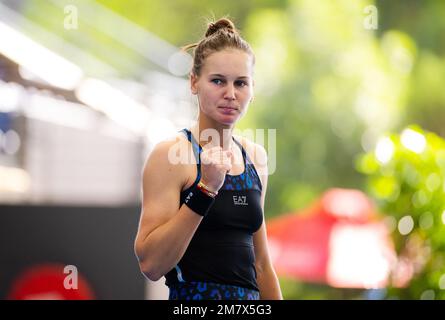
point(212, 133)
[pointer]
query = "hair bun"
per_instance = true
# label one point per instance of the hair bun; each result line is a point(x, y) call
point(220, 24)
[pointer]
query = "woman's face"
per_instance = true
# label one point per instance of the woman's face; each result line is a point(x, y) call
point(225, 85)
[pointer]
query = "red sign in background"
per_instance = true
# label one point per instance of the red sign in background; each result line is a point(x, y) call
point(47, 282)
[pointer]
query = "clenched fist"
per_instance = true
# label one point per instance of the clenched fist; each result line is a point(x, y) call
point(215, 163)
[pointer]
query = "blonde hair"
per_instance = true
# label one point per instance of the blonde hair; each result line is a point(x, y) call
point(219, 35)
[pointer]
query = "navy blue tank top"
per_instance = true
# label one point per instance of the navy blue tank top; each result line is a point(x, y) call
point(221, 250)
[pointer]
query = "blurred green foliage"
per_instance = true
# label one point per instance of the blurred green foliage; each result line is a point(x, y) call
point(406, 174)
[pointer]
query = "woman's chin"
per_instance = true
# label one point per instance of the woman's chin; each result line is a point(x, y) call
point(225, 120)
point(228, 122)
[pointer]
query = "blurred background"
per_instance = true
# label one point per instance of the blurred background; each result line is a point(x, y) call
point(354, 89)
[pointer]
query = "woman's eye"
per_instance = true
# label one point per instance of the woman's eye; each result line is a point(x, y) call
point(217, 81)
point(241, 83)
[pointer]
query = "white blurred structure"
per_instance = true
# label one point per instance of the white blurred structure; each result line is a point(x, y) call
point(70, 154)
point(156, 290)
point(73, 166)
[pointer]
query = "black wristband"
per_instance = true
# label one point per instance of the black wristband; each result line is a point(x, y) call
point(198, 201)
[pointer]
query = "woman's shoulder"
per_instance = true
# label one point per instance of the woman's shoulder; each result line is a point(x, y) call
point(173, 140)
point(250, 146)
point(167, 150)
point(167, 160)
point(257, 153)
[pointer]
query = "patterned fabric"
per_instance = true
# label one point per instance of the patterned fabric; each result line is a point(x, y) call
point(210, 291)
point(247, 180)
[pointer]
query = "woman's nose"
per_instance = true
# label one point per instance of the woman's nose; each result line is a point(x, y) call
point(230, 93)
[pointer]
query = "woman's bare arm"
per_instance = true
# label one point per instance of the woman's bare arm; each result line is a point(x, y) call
point(165, 230)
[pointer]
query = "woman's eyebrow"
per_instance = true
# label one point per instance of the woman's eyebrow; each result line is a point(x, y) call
point(223, 76)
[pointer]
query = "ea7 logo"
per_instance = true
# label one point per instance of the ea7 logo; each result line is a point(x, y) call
point(240, 200)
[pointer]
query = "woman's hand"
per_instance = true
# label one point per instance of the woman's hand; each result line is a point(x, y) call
point(215, 163)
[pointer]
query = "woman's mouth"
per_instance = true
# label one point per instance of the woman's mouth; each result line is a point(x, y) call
point(228, 110)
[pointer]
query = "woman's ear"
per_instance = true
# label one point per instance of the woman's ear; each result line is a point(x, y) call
point(193, 83)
